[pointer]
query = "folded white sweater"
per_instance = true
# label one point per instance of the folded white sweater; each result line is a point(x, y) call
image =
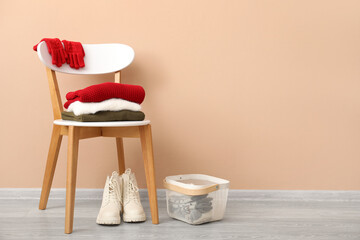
point(113, 104)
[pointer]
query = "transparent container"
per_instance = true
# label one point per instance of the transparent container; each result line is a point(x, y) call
point(196, 198)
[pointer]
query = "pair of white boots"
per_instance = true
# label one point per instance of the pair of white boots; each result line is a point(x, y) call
point(121, 194)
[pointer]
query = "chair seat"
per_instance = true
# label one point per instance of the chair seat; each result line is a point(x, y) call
point(101, 124)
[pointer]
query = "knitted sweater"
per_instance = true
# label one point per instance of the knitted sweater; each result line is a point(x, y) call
point(113, 104)
point(107, 90)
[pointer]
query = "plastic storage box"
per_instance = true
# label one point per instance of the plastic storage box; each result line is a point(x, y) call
point(196, 198)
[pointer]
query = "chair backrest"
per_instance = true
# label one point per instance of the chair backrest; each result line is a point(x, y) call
point(99, 58)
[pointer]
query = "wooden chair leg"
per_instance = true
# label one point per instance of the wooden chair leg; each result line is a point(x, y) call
point(73, 147)
point(120, 154)
point(52, 157)
point(148, 156)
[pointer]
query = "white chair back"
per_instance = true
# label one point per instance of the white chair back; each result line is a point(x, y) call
point(99, 58)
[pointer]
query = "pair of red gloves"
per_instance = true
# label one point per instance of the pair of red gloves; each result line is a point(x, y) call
point(72, 52)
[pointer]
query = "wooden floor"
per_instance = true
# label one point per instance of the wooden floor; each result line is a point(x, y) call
point(253, 215)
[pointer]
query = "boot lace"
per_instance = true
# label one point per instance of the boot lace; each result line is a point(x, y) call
point(114, 187)
point(132, 189)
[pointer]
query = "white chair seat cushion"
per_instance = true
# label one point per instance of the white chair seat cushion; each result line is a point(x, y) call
point(101, 124)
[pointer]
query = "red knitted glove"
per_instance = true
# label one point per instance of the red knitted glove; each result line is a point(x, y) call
point(55, 49)
point(75, 53)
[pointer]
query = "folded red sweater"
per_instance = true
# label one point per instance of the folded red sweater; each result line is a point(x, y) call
point(103, 91)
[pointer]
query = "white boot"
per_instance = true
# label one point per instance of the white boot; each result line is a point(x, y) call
point(109, 213)
point(133, 210)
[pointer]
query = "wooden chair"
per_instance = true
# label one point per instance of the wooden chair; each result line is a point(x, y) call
point(99, 59)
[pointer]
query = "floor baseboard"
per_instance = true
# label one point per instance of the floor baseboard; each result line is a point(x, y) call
point(234, 195)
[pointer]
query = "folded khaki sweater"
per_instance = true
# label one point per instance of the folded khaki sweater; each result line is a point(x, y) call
point(105, 116)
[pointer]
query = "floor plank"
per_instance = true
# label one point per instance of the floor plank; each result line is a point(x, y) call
point(245, 218)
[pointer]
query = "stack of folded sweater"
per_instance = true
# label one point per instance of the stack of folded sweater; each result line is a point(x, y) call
point(105, 102)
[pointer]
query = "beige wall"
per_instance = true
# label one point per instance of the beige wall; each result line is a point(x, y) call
point(263, 93)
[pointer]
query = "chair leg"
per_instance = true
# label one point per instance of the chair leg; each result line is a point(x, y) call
point(73, 146)
point(148, 156)
point(120, 154)
point(52, 157)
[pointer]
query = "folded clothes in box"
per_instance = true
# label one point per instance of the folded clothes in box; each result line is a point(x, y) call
point(196, 198)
